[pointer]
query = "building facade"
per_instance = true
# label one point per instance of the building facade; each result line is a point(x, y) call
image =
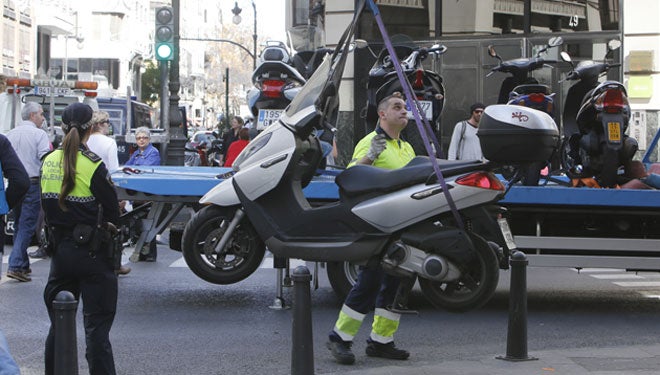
point(517, 28)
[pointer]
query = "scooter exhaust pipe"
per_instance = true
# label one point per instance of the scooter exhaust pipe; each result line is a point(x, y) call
point(435, 267)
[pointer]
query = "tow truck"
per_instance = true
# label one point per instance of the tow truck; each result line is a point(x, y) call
point(53, 95)
point(555, 225)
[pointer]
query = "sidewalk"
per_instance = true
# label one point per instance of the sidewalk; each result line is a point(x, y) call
point(637, 360)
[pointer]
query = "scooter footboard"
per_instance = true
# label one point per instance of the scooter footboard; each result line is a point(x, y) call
point(351, 250)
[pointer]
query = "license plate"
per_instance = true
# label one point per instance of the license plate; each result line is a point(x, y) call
point(614, 131)
point(506, 232)
point(267, 117)
point(427, 110)
point(41, 90)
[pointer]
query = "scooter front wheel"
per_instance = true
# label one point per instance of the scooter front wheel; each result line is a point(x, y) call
point(473, 288)
point(241, 256)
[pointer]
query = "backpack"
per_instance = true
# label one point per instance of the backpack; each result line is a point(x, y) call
point(460, 140)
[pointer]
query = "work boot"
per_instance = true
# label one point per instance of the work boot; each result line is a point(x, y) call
point(40, 253)
point(389, 350)
point(342, 352)
point(123, 270)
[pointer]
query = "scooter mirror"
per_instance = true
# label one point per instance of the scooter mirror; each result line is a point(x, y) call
point(491, 51)
point(555, 41)
point(565, 56)
point(613, 44)
point(360, 43)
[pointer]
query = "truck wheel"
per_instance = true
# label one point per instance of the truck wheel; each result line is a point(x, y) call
point(473, 288)
point(239, 259)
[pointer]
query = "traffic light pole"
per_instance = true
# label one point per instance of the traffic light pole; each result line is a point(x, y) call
point(164, 104)
point(177, 142)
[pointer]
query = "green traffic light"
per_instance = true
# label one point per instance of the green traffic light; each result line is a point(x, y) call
point(164, 34)
point(164, 52)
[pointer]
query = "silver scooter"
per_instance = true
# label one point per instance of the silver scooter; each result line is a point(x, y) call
point(400, 219)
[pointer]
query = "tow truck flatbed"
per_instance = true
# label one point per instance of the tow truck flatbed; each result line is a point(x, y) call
point(554, 224)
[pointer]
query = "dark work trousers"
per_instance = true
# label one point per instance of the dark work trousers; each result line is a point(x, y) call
point(373, 289)
point(72, 268)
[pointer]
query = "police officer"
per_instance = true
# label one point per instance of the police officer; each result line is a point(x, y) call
point(76, 193)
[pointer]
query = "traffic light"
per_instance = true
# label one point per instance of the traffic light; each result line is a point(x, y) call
point(164, 34)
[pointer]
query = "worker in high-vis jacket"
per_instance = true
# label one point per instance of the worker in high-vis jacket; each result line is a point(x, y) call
point(374, 288)
point(81, 210)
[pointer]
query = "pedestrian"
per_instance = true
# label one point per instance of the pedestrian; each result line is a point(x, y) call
point(237, 146)
point(81, 207)
point(146, 154)
point(382, 148)
point(104, 146)
point(31, 144)
point(100, 143)
point(12, 170)
point(230, 135)
point(464, 143)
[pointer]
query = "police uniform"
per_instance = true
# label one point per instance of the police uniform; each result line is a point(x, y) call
point(74, 266)
point(373, 287)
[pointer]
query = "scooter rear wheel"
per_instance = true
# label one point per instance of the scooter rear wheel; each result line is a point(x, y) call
point(239, 259)
point(475, 286)
point(342, 276)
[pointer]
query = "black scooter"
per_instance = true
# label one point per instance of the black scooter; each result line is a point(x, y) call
point(596, 116)
point(427, 86)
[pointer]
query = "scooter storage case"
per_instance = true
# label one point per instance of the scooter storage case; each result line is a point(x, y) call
point(512, 133)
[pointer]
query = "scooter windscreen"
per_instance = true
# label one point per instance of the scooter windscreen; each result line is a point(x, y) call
point(303, 108)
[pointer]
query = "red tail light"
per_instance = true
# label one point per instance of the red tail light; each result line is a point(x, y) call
point(272, 88)
point(536, 98)
point(419, 79)
point(482, 180)
point(614, 101)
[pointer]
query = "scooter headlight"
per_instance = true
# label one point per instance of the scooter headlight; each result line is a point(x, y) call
point(252, 148)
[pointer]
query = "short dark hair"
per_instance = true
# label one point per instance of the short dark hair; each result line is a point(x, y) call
point(244, 134)
point(476, 106)
point(383, 103)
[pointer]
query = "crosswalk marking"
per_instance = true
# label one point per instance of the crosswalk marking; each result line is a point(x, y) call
point(645, 283)
point(618, 276)
point(597, 270)
point(638, 284)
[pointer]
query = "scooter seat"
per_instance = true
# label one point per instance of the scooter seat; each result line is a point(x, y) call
point(362, 179)
point(532, 89)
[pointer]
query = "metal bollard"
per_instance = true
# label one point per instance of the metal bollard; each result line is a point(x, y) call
point(516, 340)
point(302, 351)
point(66, 347)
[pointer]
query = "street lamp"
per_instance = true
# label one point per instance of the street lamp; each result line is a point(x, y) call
point(237, 20)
